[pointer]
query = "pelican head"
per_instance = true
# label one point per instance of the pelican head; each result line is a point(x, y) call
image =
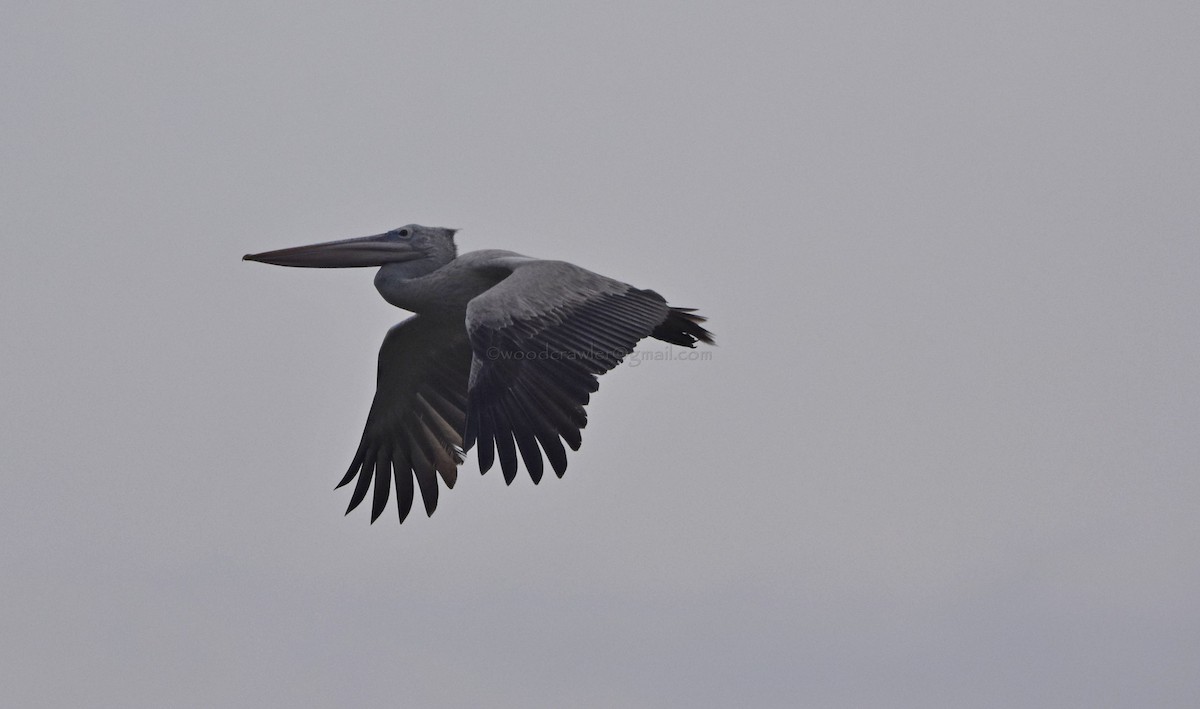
point(407, 243)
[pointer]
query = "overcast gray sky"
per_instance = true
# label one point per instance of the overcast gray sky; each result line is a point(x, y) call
point(945, 454)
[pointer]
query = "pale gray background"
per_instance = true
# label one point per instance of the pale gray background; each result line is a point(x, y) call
point(945, 455)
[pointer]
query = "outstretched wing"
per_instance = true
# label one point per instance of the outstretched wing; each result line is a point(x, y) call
point(539, 339)
point(418, 414)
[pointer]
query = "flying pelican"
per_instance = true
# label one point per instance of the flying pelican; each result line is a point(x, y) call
point(503, 353)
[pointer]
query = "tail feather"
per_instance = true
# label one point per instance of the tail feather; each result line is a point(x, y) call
point(682, 327)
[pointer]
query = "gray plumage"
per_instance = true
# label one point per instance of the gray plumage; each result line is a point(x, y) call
point(502, 355)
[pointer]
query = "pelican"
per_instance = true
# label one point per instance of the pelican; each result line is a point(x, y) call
point(502, 354)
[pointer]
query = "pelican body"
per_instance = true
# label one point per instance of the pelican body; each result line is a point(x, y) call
point(502, 354)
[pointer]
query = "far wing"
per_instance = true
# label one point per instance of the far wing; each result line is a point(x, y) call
point(539, 339)
point(417, 415)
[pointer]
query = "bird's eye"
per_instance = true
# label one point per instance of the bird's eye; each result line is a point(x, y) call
point(403, 232)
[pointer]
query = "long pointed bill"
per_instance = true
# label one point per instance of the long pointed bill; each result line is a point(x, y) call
point(346, 253)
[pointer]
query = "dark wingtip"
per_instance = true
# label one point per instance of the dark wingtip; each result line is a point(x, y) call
point(682, 327)
point(404, 490)
point(383, 487)
point(355, 465)
point(360, 488)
